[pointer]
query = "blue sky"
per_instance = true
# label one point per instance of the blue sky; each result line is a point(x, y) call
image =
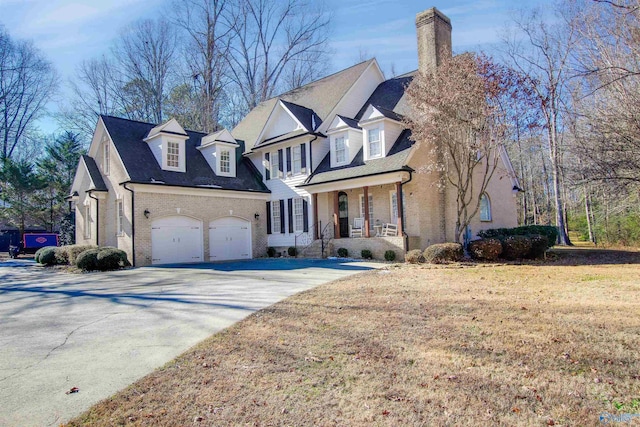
point(69, 31)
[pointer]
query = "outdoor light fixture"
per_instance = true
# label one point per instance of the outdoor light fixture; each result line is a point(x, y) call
point(146, 213)
point(256, 216)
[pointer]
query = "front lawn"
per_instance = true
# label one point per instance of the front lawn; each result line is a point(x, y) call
point(553, 343)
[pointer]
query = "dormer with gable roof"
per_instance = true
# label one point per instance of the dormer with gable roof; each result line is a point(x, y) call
point(345, 139)
point(219, 150)
point(381, 128)
point(167, 142)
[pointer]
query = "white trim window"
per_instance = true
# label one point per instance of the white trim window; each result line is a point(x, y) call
point(225, 161)
point(87, 221)
point(275, 215)
point(296, 154)
point(393, 200)
point(298, 215)
point(485, 208)
point(119, 217)
point(374, 142)
point(371, 222)
point(341, 150)
point(173, 154)
point(275, 162)
point(106, 157)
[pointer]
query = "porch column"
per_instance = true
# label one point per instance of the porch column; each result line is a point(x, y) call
point(316, 232)
point(400, 209)
point(336, 216)
point(366, 211)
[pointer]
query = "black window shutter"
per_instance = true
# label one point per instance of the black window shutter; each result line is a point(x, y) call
point(267, 172)
point(305, 214)
point(303, 158)
point(268, 217)
point(289, 173)
point(290, 203)
point(282, 216)
point(280, 164)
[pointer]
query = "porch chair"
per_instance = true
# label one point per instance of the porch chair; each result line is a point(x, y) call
point(356, 230)
point(390, 229)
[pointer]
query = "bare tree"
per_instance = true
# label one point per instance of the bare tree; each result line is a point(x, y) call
point(461, 111)
point(608, 97)
point(145, 51)
point(96, 89)
point(542, 52)
point(27, 81)
point(271, 39)
point(208, 31)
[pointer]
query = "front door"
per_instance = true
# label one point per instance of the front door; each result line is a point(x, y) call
point(343, 214)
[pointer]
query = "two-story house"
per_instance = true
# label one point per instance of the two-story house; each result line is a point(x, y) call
point(330, 159)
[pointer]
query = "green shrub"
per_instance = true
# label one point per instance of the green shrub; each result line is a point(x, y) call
point(292, 251)
point(515, 247)
point(390, 255)
point(271, 252)
point(549, 231)
point(39, 252)
point(48, 256)
point(111, 259)
point(485, 249)
point(414, 257)
point(62, 257)
point(343, 252)
point(539, 245)
point(443, 252)
point(72, 252)
point(366, 254)
point(88, 260)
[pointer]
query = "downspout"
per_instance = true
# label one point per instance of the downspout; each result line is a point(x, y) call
point(90, 194)
point(133, 224)
point(404, 214)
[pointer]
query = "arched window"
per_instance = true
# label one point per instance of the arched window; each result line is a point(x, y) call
point(485, 208)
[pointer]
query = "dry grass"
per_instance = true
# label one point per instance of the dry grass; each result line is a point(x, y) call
point(552, 343)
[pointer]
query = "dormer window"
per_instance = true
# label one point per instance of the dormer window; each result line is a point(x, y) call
point(374, 143)
point(341, 150)
point(173, 154)
point(225, 163)
point(167, 143)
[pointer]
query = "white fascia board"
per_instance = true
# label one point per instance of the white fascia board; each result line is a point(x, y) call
point(323, 127)
point(202, 192)
point(294, 117)
point(271, 117)
point(346, 184)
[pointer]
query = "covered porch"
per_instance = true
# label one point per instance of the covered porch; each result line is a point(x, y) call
point(362, 213)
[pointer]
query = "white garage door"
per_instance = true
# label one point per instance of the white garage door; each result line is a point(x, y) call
point(176, 239)
point(229, 238)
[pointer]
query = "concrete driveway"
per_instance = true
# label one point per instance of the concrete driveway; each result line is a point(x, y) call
point(102, 331)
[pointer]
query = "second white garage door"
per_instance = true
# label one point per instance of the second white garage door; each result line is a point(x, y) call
point(176, 239)
point(229, 238)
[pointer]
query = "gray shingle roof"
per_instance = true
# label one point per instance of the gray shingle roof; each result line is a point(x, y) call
point(396, 160)
point(309, 119)
point(142, 167)
point(94, 173)
point(389, 97)
point(320, 96)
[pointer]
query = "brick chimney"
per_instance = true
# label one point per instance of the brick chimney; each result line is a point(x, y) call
point(433, 29)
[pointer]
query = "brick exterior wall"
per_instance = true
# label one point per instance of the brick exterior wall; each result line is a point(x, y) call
point(203, 208)
point(377, 245)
